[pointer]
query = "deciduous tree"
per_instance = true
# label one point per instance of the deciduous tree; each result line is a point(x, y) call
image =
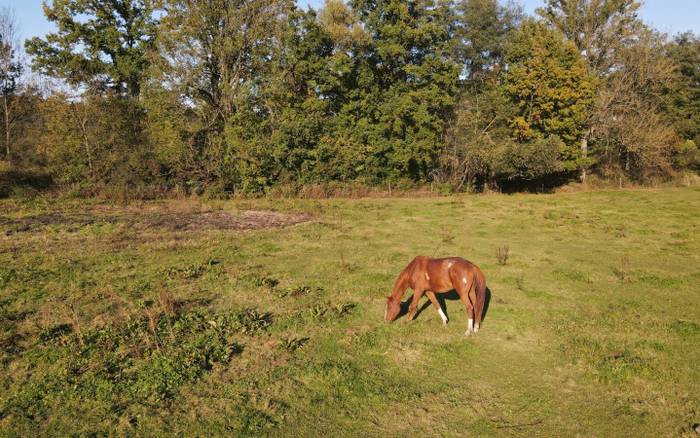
point(683, 92)
point(409, 86)
point(480, 31)
point(215, 55)
point(102, 45)
point(598, 28)
point(10, 72)
point(549, 83)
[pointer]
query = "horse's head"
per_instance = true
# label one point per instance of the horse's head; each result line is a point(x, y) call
point(393, 308)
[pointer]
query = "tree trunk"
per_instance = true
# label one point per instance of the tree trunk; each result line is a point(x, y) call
point(7, 126)
point(584, 154)
point(86, 145)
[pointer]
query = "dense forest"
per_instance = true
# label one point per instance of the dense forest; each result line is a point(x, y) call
point(247, 96)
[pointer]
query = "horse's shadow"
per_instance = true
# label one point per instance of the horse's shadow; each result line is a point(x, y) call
point(442, 300)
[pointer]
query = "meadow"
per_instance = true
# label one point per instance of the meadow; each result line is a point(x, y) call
point(196, 317)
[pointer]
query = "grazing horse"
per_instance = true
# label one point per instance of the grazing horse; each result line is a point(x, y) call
point(429, 276)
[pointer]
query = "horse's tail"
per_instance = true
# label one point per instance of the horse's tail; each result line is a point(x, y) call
point(480, 289)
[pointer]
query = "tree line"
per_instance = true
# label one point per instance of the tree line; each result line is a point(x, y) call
point(229, 96)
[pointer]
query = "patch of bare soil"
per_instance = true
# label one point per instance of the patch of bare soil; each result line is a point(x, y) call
point(168, 220)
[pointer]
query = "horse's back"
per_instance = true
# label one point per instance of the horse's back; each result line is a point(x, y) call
point(460, 269)
point(427, 263)
point(421, 264)
point(456, 263)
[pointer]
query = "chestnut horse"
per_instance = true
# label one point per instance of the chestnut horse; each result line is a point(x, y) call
point(429, 276)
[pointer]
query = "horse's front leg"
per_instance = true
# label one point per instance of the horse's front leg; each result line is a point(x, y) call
point(417, 294)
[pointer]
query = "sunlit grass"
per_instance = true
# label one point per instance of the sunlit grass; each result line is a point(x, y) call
point(591, 329)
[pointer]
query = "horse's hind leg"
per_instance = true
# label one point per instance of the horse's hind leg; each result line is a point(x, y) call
point(478, 308)
point(436, 304)
point(473, 298)
point(463, 293)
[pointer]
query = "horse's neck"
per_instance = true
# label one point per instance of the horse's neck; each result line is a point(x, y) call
point(402, 283)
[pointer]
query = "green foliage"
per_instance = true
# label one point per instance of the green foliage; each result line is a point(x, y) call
point(292, 344)
point(341, 106)
point(549, 83)
point(10, 66)
point(343, 25)
point(683, 93)
point(529, 160)
point(598, 28)
point(216, 55)
point(215, 97)
point(17, 98)
point(685, 328)
point(103, 45)
point(527, 126)
point(626, 130)
point(687, 156)
point(414, 82)
point(299, 94)
point(169, 128)
point(479, 125)
point(98, 141)
point(631, 133)
point(481, 31)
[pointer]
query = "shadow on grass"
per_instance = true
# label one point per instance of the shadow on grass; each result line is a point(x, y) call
point(23, 179)
point(442, 299)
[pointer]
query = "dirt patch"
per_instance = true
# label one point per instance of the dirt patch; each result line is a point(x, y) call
point(168, 220)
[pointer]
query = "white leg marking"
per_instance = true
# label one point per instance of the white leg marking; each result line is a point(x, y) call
point(470, 325)
point(442, 315)
point(476, 328)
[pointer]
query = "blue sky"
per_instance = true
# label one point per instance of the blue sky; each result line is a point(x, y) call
point(670, 16)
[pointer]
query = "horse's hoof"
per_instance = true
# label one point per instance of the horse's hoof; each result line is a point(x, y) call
point(467, 333)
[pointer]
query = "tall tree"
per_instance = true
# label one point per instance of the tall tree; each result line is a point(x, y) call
point(683, 94)
point(99, 44)
point(342, 24)
point(481, 27)
point(215, 50)
point(215, 54)
point(10, 72)
point(550, 85)
point(631, 135)
point(408, 87)
point(275, 137)
point(598, 28)
point(476, 134)
point(603, 31)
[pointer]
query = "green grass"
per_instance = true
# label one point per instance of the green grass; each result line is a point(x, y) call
point(111, 328)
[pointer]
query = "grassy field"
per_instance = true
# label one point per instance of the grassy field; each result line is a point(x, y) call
point(174, 318)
